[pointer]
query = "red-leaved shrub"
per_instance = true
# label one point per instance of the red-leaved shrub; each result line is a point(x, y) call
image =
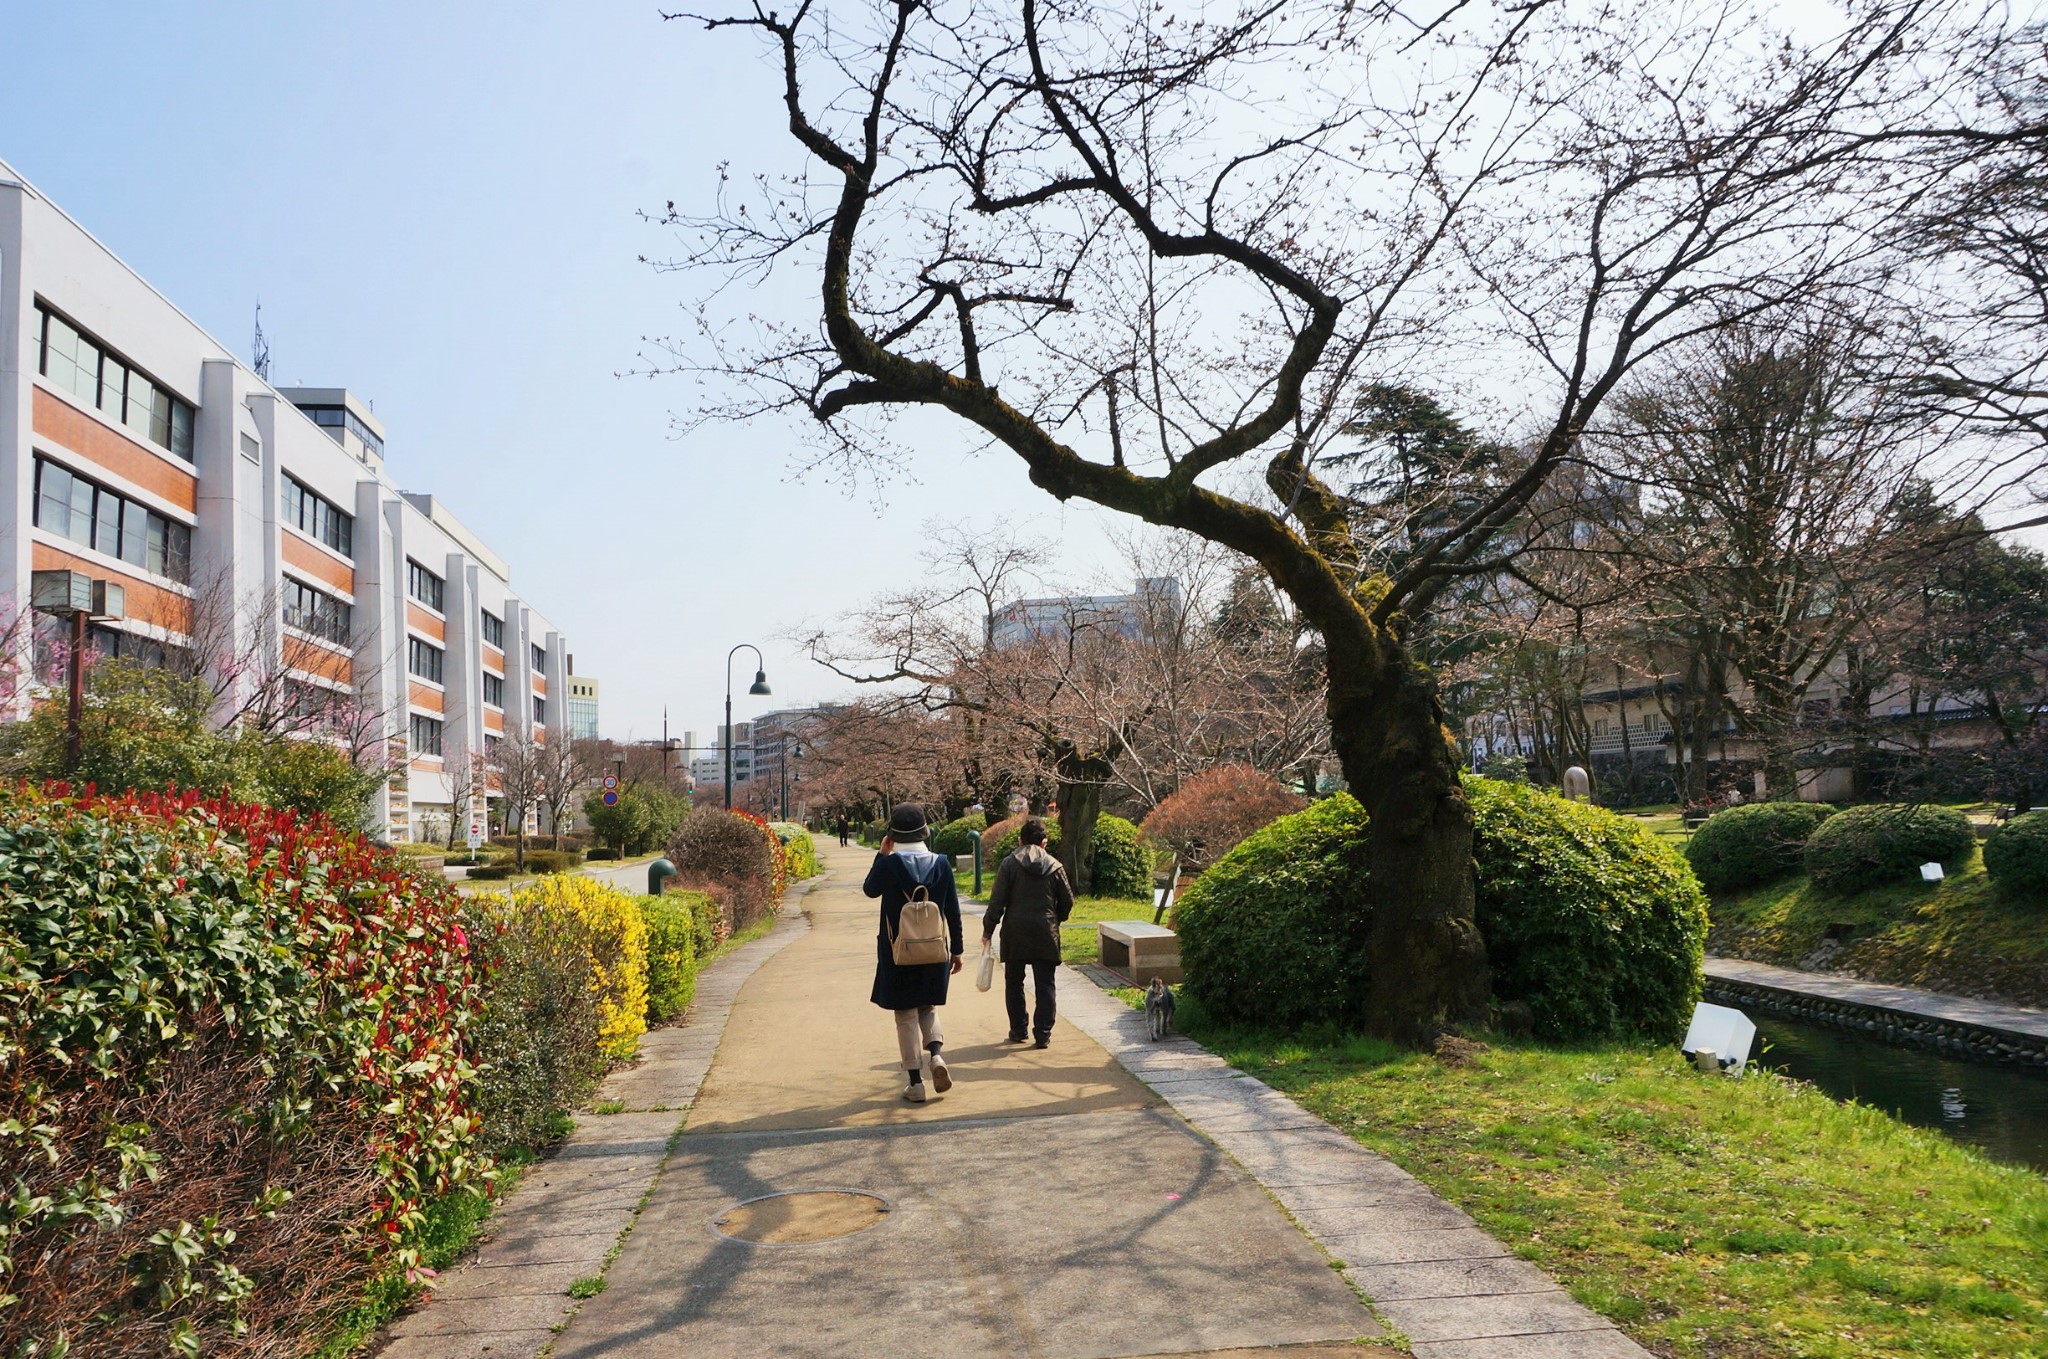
point(1206, 817)
point(237, 1039)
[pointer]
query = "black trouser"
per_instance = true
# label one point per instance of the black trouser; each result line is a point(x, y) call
point(1042, 974)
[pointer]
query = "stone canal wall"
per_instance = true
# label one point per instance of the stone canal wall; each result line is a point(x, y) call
point(1956, 1037)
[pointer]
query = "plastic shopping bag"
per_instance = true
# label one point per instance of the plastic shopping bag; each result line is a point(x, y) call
point(985, 976)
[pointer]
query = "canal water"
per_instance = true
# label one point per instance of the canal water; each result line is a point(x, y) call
point(2002, 1110)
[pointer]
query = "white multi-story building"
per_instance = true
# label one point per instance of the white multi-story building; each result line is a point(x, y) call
point(1155, 600)
point(254, 530)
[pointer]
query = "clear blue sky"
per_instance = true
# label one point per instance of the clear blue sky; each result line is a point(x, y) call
point(436, 203)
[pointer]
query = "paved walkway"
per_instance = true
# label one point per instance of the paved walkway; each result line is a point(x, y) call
point(1905, 999)
point(1107, 1197)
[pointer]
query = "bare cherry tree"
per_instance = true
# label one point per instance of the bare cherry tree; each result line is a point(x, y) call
point(519, 764)
point(1156, 255)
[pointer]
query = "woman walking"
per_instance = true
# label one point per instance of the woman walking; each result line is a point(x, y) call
point(1030, 902)
point(913, 992)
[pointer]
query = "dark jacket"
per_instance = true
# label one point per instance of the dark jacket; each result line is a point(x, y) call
point(891, 878)
point(1031, 891)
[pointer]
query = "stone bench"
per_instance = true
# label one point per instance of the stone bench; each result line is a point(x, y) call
point(1138, 950)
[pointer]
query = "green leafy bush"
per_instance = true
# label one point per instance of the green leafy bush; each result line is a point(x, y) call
point(490, 872)
point(1123, 865)
point(671, 954)
point(1275, 931)
point(1871, 846)
point(642, 820)
point(1749, 846)
point(1589, 920)
point(2016, 855)
point(552, 860)
point(538, 1043)
point(956, 837)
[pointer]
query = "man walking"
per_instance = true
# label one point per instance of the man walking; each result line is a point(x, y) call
point(1032, 895)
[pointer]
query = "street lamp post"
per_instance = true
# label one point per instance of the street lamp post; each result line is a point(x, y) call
point(792, 750)
point(759, 686)
point(80, 599)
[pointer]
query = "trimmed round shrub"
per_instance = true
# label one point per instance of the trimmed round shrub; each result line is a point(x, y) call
point(733, 851)
point(2016, 855)
point(1275, 931)
point(1589, 920)
point(1877, 845)
point(1123, 866)
point(1749, 846)
point(1592, 921)
point(952, 839)
point(999, 841)
point(1209, 814)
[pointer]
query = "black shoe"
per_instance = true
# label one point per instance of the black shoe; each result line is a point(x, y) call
point(1015, 1038)
point(1043, 1040)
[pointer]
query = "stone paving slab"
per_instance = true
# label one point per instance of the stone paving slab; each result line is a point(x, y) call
point(1906, 999)
point(1428, 1268)
point(1064, 1237)
point(506, 1298)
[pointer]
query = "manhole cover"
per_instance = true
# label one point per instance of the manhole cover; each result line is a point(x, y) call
point(801, 1216)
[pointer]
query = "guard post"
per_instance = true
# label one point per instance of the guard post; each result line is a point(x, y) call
point(975, 836)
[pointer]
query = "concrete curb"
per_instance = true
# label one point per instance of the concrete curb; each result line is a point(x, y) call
point(1429, 1270)
point(510, 1295)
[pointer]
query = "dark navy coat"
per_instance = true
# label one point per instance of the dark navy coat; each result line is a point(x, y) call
point(891, 879)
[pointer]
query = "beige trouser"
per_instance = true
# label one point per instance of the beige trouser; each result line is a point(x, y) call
point(915, 1030)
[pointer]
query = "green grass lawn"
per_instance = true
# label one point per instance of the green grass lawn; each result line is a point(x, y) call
point(1962, 934)
point(1707, 1216)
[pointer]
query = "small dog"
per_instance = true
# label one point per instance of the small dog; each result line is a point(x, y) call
point(1159, 1008)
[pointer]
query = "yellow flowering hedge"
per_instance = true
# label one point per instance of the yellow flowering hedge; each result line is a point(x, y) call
point(799, 852)
point(617, 929)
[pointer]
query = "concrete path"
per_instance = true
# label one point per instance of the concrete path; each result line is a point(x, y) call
point(1108, 1197)
point(569, 1211)
point(1983, 1014)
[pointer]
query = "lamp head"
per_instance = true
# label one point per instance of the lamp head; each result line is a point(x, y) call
point(760, 685)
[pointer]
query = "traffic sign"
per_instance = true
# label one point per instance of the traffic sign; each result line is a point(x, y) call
point(611, 799)
point(476, 836)
point(611, 781)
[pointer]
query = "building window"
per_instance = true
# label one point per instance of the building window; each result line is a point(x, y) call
point(423, 585)
point(540, 659)
point(540, 711)
point(491, 745)
point(426, 735)
point(494, 689)
point(423, 659)
point(92, 516)
point(340, 417)
point(80, 365)
point(316, 612)
point(494, 630)
point(318, 517)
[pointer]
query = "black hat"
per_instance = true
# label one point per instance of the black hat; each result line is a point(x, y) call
point(907, 822)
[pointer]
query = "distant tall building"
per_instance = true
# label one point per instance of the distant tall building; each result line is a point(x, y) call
point(582, 714)
point(1058, 615)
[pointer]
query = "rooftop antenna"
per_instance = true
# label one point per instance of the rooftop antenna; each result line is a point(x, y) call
point(261, 349)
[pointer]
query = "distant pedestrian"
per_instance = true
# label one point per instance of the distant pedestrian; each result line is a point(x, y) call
point(914, 991)
point(1031, 900)
point(842, 832)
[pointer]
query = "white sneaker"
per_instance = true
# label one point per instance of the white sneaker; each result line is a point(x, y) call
point(942, 1079)
point(915, 1093)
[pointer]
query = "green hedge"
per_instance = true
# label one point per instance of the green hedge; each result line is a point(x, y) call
point(799, 851)
point(955, 837)
point(1749, 846)
point(1123, 865)
point(2016, 855)
point(1872, 846)
point(671, 953)
point(1589, 919)
point(1275, 931)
